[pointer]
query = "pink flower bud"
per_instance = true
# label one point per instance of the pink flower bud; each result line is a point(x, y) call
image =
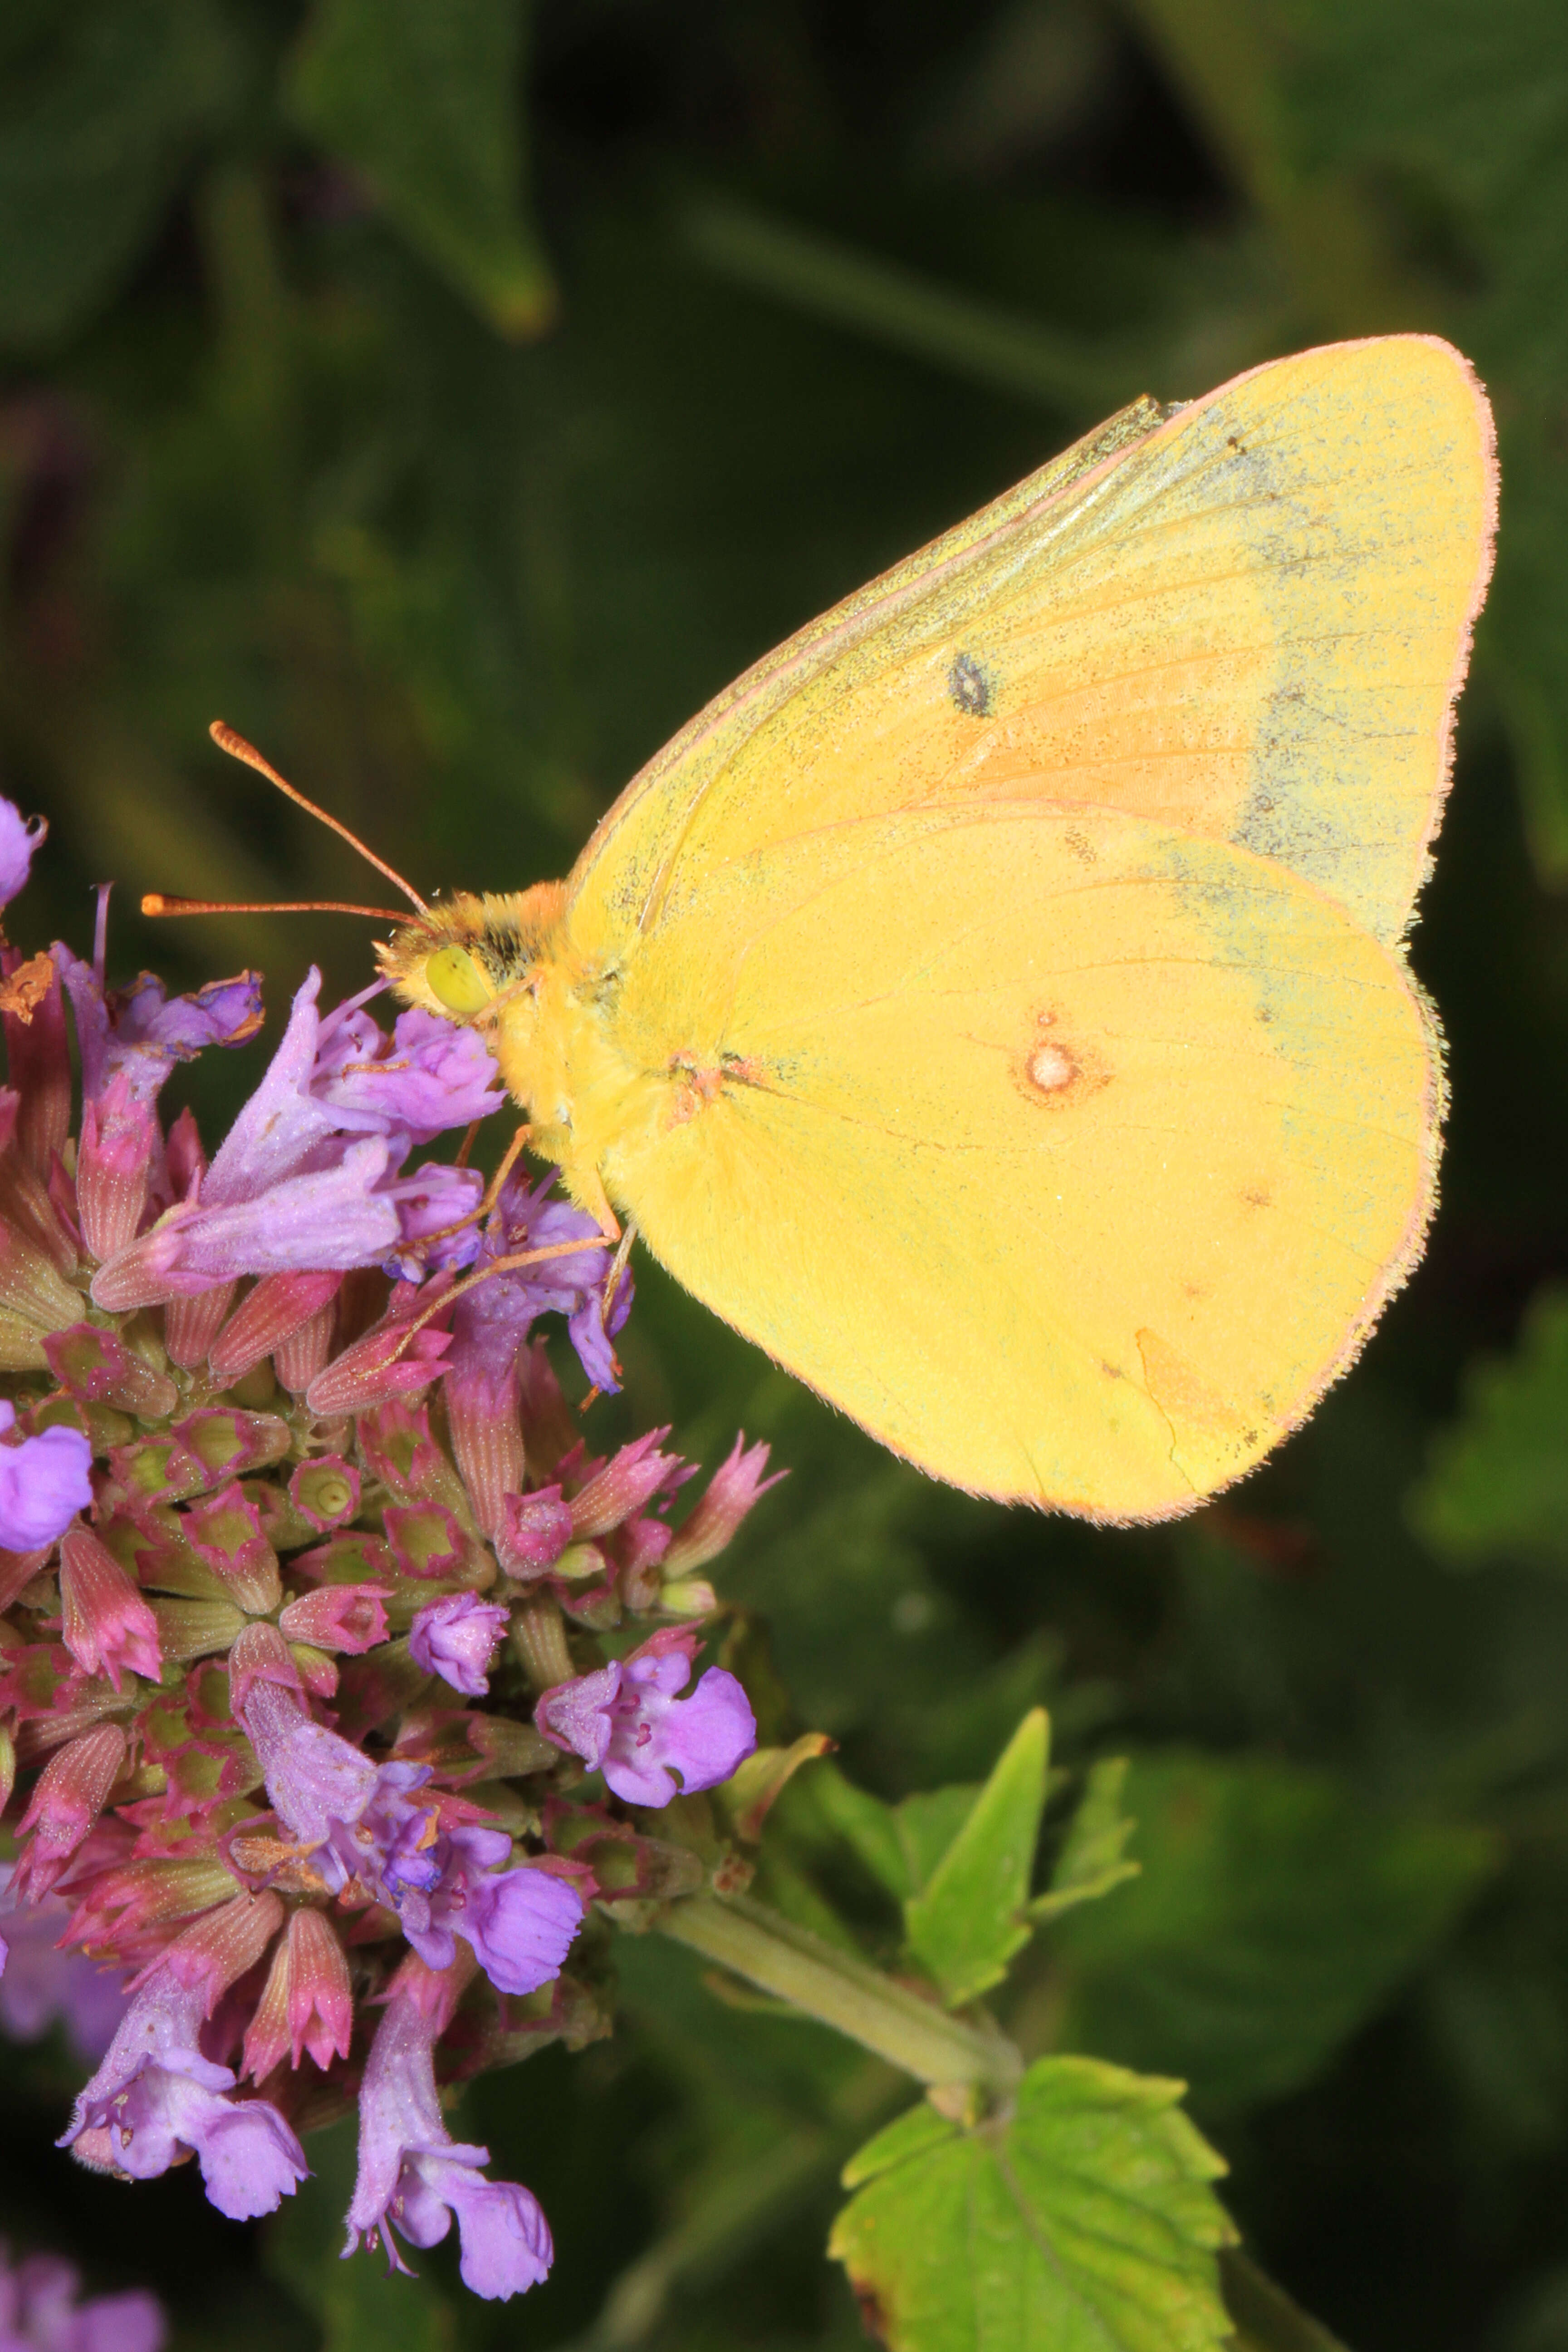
point(271, 1312)
point(628, 1480)
point(535, 1531)
point(69, 1797)
point(297, 1359)
point(119, 1139)
point(338, 1617)
point(307, 2004)
point(107, 1627)
point(191, 1325)
point(483, 1413)
point(206, 1956)
point(731, 1491)
point(129, 1909)
point(385, 1362)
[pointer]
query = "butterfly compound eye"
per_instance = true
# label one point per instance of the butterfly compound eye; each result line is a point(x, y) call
point(456, 982)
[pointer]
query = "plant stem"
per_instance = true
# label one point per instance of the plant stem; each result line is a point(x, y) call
point(796, 1965)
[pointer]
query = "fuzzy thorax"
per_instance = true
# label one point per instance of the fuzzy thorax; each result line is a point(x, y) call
point(504, 965)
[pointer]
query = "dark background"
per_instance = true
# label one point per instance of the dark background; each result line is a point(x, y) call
point(453, 400)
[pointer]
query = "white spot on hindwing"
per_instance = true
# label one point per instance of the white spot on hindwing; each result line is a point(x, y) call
point(1049, 1068)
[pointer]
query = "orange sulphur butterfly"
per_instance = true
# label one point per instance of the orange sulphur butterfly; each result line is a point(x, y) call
point(994, 1004)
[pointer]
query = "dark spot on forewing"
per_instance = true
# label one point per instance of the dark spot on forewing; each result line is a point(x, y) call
point(970, 686)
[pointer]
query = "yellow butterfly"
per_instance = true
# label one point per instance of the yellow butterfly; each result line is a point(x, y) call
point(994, 1004)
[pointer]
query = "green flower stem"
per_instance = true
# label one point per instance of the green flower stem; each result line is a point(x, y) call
point(797, 1967)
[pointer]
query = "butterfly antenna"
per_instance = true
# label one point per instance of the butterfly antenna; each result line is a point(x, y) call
point(158, 902)
point(237, 748)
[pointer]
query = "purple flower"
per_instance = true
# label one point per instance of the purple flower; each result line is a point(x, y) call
point(625, 1721)
point(40, 1983)
point(365, 1821)
point(433, 1076)
point(40, 2311)
point(454, 1637)
point(19, 838)
point(492, 1322)
point(139, 1033)
point(413, 2177)
point(339, 1076)
point(432, 1198)
point(314, 1778)
point(44, 1482)
point(155, 2096)
point(314, 1222)
point(308, 1175)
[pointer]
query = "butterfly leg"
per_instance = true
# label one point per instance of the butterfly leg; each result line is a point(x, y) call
point(492, 1190)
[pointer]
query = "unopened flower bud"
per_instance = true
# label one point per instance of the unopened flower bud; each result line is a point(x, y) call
point(307, 2006)
point(207, 1956)
point(535, 1530)
point(191, 1325)
point(69, 1797)
point(454, 1637)
point(108, 1626)
point(628, 1480)
point(270, 1314)
point(259, 1655)
point(386, 1362)
point(119, 1141)
point(730, 1492)
point(347, 1617)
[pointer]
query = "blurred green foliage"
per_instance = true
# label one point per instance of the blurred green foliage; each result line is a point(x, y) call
point(452, 398)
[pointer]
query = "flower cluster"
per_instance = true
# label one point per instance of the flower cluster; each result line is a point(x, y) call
point(316, 1614)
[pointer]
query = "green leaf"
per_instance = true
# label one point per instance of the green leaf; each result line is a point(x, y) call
point(100, 104)
point(967, 1922)
point(1082, 2219)
point(926, 1826)
point(1497, 1481)
point(1092, 1860)
point(425, 103)
point(1275, 1912)
point(749, 1795)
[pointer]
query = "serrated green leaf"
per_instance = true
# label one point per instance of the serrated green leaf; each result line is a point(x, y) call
point(1091, 1861)
point(99, 106)
point(967, 1924)
point(1274, 1912)
point(1497, 1481)
point(427, 102)
point(1083, 2221)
